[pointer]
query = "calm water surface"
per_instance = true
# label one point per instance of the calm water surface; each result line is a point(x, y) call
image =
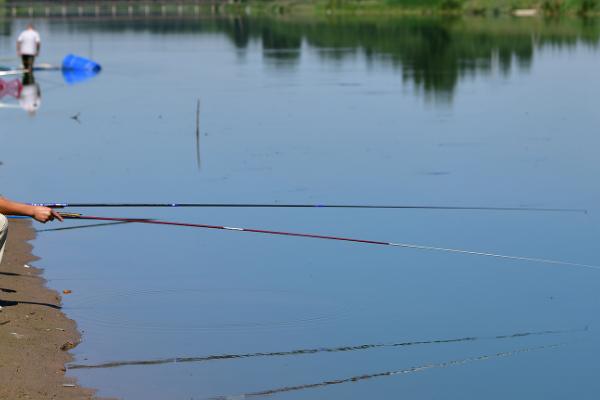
point(437, 112)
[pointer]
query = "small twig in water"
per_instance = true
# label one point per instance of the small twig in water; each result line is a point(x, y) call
point(198, 134)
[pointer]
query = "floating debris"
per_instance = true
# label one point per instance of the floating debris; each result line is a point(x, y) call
point(76, 118)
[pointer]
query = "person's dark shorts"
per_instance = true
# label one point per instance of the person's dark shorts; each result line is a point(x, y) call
point(27, 61)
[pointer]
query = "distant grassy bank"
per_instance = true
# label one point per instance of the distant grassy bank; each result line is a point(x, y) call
point(304, 7)
point(473, 7)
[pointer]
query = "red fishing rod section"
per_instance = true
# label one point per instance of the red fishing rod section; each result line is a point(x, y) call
point(325, 237)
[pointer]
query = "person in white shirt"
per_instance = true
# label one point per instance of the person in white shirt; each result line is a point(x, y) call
point(41, 214)
point(28, 46)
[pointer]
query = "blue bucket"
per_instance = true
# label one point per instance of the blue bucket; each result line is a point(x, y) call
point(73, 62)
point(73, 76)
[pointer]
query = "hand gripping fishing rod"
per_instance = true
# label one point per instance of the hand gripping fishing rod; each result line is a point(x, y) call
point(277, 205)
point(328, 237)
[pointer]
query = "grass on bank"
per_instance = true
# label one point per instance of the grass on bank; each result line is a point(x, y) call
point(308, 7)
point(544, 6)
point(479, 7)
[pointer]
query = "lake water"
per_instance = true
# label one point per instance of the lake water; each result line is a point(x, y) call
point(450, 112)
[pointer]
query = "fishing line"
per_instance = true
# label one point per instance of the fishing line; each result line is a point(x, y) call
point(336, 238)
point(424, 367)
point(82, 226)
point(218, 357)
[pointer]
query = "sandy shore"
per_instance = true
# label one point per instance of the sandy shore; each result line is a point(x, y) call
point(35, 335)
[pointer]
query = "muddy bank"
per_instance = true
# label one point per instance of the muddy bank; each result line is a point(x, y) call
point(35, 335)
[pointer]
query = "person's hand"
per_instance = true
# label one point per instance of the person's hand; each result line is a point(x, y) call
point(45, 214)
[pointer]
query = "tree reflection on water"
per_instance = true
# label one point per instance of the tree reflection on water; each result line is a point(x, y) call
point(431, 53)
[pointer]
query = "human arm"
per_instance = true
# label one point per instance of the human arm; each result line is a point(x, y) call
point(41, 214)
point(19, 47)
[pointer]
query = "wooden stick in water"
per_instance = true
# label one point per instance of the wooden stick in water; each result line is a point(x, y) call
point(198, 134)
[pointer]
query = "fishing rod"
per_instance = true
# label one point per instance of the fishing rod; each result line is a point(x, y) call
point(4, 105)
point(328, 237)
point(12, 72)
point(276, 205)
point(69, 228)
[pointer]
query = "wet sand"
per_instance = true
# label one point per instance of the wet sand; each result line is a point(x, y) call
point(35, 335)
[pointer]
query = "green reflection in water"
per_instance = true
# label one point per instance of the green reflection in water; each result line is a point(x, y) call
point(431, 53)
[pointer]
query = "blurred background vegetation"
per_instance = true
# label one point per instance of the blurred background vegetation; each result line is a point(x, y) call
point(387, 7)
